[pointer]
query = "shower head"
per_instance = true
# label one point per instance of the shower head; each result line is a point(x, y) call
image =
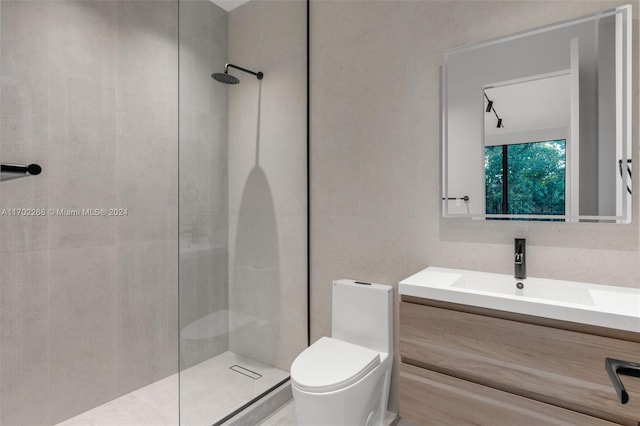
point(227, 78)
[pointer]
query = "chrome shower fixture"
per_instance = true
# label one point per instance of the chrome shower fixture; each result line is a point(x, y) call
point(227, 78)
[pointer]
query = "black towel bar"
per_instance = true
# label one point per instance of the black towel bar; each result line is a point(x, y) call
point(464, 198)
point(32, 169)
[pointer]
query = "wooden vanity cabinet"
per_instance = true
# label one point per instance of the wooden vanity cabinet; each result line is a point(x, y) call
point(462, 365)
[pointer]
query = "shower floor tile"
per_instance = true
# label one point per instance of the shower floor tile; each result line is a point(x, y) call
point(209, 391)
point(154, 404)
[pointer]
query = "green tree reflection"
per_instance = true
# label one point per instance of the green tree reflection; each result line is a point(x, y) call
point(535, 175)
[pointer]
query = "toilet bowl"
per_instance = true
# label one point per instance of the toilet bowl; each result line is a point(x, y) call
point(343, 380)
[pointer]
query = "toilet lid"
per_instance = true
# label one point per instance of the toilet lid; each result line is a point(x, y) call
point(331, 364)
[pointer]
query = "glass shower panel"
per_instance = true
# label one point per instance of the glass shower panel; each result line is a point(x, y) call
point(243, 202)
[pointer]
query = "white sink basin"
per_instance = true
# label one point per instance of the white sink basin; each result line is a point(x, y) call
point(594, 304)
point(537, 288)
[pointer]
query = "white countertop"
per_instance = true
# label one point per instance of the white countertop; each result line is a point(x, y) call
point(594, 304)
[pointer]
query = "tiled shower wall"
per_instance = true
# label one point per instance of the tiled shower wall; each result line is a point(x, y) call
point(88, 305)
point(204, 255)
point(375, 152)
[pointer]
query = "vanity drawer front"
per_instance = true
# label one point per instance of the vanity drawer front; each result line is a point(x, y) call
point(431, 398)
point(556, 366)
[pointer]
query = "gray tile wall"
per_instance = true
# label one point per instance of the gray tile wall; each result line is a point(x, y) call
point(203, 180)
point(375, 153)
point(88, 305)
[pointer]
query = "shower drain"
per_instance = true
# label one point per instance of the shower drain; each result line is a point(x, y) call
point(245, 371)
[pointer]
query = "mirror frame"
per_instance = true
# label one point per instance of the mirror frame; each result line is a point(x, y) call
point(623, 123)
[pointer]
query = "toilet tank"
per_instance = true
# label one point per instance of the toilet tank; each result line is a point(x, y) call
point(362, 313)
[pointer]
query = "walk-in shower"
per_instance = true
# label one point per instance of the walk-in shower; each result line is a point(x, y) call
point(162, 279)
point(243, 248)
point(226, 78)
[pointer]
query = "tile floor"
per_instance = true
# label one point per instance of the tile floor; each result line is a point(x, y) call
point(210, 391)
point(286, 416)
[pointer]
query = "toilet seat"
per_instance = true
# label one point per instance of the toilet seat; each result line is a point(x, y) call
point(331, 364)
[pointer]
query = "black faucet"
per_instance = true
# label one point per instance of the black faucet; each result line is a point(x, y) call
point(520, 264)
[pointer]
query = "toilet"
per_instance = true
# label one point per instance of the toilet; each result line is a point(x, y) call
point(343, 380)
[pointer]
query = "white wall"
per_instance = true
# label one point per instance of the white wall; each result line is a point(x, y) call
point(537, 135)
point(607, 162)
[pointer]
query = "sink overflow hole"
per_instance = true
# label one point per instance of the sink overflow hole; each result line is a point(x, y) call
point(245, 372)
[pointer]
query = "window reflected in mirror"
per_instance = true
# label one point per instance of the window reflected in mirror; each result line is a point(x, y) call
point(526, 178)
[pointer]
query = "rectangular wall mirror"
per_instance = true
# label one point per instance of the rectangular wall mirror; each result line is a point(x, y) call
point(537, 125)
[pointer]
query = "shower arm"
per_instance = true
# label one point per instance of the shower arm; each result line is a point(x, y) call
point(258, 74)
